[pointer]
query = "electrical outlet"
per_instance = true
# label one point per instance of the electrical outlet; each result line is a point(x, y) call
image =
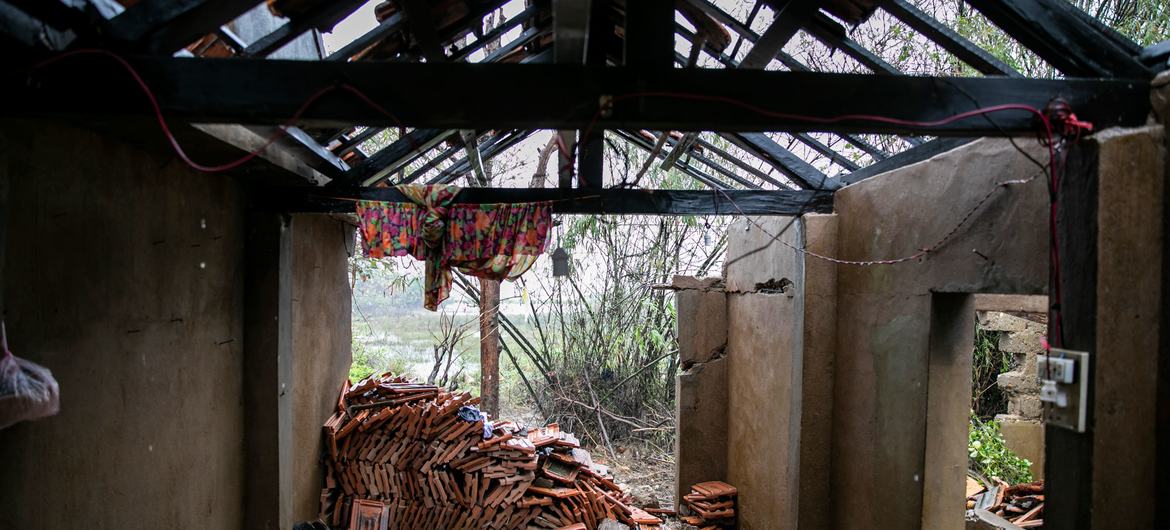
point(1064, 388)
point(1059, 369)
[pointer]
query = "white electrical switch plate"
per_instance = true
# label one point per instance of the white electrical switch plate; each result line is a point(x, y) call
point(1060, 370)
point(1064, 388)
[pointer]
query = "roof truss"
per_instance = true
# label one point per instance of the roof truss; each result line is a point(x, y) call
point(495, 118)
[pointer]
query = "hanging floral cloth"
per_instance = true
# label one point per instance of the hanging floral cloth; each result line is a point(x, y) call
point(493, 241)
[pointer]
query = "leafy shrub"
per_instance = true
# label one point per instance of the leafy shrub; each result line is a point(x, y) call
point(987, 454)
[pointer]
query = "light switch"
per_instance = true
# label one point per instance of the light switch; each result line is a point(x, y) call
point(1064, 387)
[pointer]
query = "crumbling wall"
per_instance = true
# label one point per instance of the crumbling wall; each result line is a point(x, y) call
point(781, 340)
point(1021, 335)
point(701, 385)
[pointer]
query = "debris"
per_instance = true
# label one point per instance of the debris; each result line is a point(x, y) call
point(713, 504)
point(409, 455)
point(1022, 505)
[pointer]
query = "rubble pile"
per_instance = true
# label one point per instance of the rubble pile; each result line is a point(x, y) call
point(712, 505)
point(1020, 504)
point(409, 455)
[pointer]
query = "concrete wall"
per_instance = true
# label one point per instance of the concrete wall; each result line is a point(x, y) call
point(781, 337)
point(321, 345)
point(892, 357)
point(701, 385)
point(884, 355)
point(1021, 334)
point(1130, 307)
point(124, 276)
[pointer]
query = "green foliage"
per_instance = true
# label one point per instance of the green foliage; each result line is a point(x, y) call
point(366, 362)
point(989, 361)
point(987, 454)
point(361, 367)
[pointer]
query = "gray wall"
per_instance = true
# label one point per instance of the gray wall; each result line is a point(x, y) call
point(124, 276)
point(884, 352)
point(831, 382)
point(780, 347)
point(321, 346)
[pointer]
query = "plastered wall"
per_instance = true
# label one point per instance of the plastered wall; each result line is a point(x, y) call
point(321, 345)
point(124, 275)
point(831, 365)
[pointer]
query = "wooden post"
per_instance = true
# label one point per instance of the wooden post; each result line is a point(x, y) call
point(489, 346)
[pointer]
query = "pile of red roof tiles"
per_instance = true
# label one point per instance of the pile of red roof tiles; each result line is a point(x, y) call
point(408, 455)
point(712, 505)
point(1021, 504)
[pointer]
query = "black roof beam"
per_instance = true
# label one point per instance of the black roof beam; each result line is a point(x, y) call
point(307, 149)
point(356, 141)
point(499, 143)
point(572, 201)
point(905, 158)
point(693, 154)
point(1157, 56)
point(703, 178)
point(323, 14)
point(649, 39)
point(28, 33)
point(527, 37)
point(392, 23)
point(739, 38)
point(495, 33)
point(60, 15)
point(787, 60)
point(681, 59)
point(789, 19)
point(165, 26)
point(394, 156)
point(786, 161)
point(950, 40)
point(804, 138)
point(590, 146)
point(826, 151)
point(834, 35)
point(1053, 30)
point(422, 26)
point(740, 163)
point(252, 91)
point(431, 163)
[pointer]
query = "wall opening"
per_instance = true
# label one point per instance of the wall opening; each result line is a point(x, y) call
point(984, 428)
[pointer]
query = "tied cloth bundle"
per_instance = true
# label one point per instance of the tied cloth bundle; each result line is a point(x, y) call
point(492, 241)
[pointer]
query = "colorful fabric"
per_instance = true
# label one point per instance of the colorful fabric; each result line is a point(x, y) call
point(493, 241)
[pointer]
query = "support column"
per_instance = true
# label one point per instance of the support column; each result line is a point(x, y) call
point(268, 371)
point(944, 464)
point(1130, 299)
point(700, 442)
point(489, 346)
point(1112, 305)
